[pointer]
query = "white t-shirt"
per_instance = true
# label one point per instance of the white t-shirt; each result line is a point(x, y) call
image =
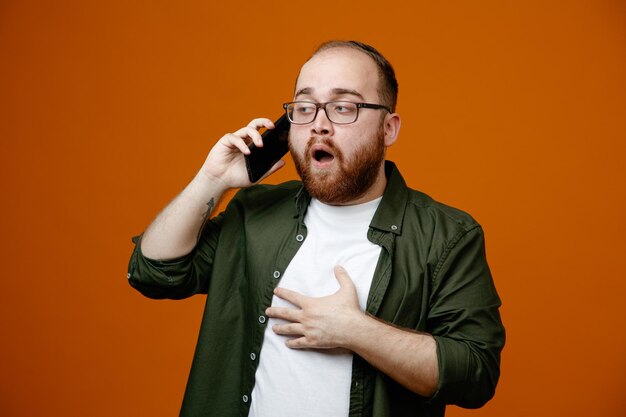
point(313, 383)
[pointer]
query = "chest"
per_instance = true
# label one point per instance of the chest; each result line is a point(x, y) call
point(310, 272)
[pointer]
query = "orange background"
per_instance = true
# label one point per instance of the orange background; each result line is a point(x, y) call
point(513, 111)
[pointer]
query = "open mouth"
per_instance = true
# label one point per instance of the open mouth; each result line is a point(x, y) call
point(322, 154)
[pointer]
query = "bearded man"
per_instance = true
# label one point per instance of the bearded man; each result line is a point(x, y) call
point(345, 294)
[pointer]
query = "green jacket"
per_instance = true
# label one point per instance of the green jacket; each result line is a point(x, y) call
point(432, 276)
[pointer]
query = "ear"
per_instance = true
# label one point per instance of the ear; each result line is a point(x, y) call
point(392, 128)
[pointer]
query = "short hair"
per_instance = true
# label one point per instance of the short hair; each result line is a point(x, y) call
point(388, 87)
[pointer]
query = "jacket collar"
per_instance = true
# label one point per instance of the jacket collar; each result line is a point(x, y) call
point(390, 213)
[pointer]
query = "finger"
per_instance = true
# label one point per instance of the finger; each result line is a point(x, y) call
point(343, 278)
point(257, 124)
point(235, 140)
point(299, 343)
point(251, 133)
point(285, 313)
point(292, 329)
point(278, 165)
point(293, 297)
point(261, 122)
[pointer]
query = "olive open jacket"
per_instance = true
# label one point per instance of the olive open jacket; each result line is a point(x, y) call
point(432, 276)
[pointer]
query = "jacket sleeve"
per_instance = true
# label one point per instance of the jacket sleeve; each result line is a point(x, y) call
point(465, 322)
point(176, 278)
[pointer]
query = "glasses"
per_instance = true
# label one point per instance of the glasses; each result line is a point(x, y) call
point(338, 112)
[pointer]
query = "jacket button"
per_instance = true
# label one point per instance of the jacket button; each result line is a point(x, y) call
point(276, 274)
point(245, 398)
point(394, 227)
point(261, 319)
point(252, 356)
point(299, 238)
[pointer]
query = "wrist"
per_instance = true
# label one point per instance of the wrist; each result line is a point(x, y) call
point(213, 184)
point(358, 327)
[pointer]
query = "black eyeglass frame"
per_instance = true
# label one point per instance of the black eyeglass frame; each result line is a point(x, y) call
point(319, 106)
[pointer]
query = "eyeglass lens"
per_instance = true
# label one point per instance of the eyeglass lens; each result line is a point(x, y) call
point(339, 112)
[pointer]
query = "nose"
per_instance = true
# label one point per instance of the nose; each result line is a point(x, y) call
point(321, 125)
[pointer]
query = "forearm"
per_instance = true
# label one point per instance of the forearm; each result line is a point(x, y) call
point(175, 231)
point(408, 357)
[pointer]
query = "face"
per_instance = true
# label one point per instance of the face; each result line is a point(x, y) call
point(340, 164)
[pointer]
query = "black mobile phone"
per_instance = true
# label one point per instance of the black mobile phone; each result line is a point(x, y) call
point(275, 146)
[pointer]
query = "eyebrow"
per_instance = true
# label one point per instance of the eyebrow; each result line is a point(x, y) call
point(335, 91)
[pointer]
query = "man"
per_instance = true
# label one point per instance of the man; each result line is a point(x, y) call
point(348, 294)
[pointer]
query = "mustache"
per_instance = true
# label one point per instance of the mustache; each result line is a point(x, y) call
point(323, 140)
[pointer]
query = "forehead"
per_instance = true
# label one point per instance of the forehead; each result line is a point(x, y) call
point(339, 69)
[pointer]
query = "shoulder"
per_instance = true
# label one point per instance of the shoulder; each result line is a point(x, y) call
point(424, 205)
point(260, 197)
point(441, 225)
point(423, 214)
point(269, 191)
point(443, 232)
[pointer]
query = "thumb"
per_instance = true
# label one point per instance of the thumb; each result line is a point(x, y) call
point(343, 278)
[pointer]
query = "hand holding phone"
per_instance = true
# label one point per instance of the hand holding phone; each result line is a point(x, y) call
point(275, 146)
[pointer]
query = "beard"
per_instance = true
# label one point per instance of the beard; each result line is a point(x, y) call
point(350, 179)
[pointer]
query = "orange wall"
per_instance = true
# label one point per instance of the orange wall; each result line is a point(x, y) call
point(513, 111)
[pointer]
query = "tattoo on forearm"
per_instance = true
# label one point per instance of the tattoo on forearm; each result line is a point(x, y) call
point(205, 215)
